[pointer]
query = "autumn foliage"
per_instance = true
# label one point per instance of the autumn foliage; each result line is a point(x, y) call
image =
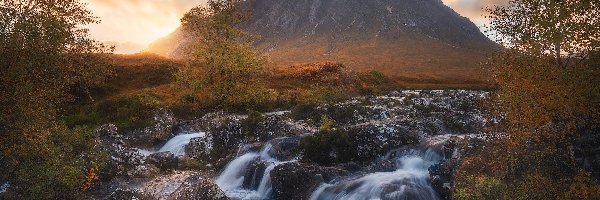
point(548, 102)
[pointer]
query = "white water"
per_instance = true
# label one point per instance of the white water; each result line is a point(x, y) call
point(232, 178)
point(175, 145)
point(409, 181)
point(4, 187)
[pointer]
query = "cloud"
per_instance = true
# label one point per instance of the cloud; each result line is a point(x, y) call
point(473, 9)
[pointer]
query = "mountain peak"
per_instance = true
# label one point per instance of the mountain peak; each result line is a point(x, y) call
point(407, 38)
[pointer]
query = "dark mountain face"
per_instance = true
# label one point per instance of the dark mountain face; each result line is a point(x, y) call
point(407, 38)
point(362, 19)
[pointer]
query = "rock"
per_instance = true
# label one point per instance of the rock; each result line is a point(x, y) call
point(3, 171)
point(442, 180)
point(254, 174)
point(108, 131)
point(223, 137)
point(163, 160)
point(277, 126)
point(453, 150)
point(383, 166)
point(225, 133)
point(373, 140)
point(298, 180)
point(247, 148)
point(123, 160)
point(144, 171)
point(283, 148)
point(198, 188)
point(586, 150)
point(127, 194)
point(161, 131)
point(350, 167)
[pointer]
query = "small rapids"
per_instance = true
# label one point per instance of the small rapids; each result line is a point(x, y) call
point(231, 180)
point(4, 187)
point(409, 181)
point(175, 145)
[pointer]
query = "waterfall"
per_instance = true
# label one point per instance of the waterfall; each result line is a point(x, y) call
point(175, 145)
point(232, 177)
point(409, 181)
point(231, 180)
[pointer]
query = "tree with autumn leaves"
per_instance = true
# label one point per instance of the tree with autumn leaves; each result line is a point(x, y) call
point(45, 55)
point(225, 66)
point(548, 98)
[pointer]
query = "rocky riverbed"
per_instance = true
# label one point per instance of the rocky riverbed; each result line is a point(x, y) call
point(405, 143)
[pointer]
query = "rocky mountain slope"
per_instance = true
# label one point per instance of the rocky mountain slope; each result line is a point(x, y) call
point(414, 39)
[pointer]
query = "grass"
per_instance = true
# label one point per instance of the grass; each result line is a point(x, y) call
point(144, 82)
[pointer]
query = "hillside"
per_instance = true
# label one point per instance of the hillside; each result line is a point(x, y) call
point(412, 40)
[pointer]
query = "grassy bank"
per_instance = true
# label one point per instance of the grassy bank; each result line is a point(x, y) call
point(142, 83)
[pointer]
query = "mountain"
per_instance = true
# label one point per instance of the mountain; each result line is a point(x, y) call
point(411, 39)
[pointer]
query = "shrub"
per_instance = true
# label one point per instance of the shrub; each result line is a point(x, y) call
point(130, 112)
point(583, 187)
point(373, 82)
point(481, 187)
point(61, 167)
point(320, 94)
point(251, 124)
point(305, 111)
point(329, 146)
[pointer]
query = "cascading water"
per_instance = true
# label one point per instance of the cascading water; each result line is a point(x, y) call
point(175, 145)
point(409, 181)
point(4, 187)
point(231, 180)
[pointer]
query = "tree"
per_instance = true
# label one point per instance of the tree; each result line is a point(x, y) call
point(549, 96)
point(224, 61)
point(567, 27)
point(44, 54)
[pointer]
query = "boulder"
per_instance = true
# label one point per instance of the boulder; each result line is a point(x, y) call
point(163, 160)
point(276, 126)
point(161, 131)
point(294, 180)
point(108, 132)
point(283, 148)
point(123, 160)
point(442, 180)
point(254, 174)
point(586, 150)
point(247, 148)
point(198, 188)
point(223, 138)
point(372, 140)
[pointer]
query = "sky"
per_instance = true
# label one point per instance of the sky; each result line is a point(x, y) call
point(131, 25)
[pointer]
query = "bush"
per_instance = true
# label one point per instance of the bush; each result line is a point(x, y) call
point(373, 82)
point(130, 112)
point(319, 94)
point(481, 187)
point(583, 187)
point(251, 124)
point(329, 146)
point(61, 167)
